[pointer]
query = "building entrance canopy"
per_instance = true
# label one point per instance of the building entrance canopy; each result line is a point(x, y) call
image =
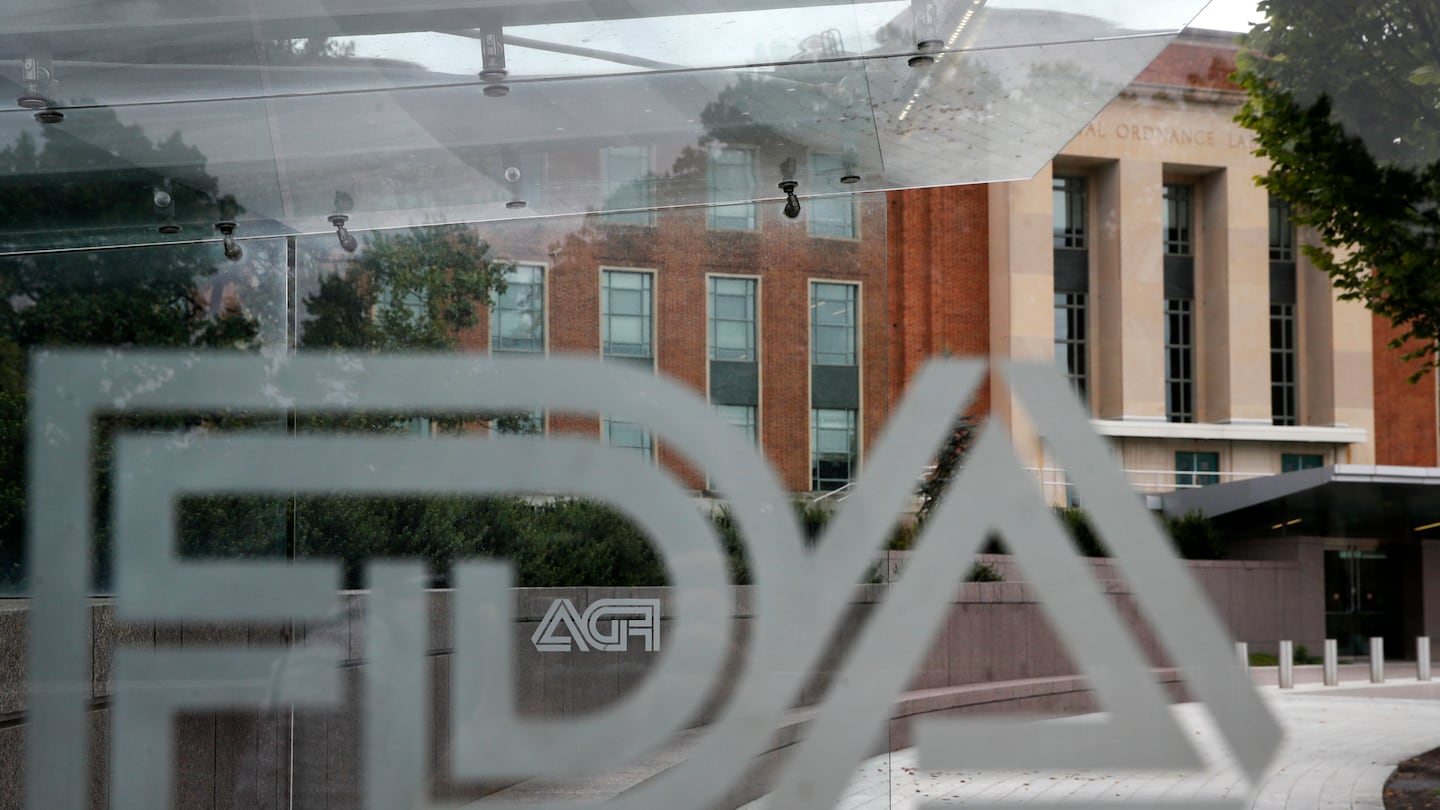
point(1343, 501)
point(277, 114)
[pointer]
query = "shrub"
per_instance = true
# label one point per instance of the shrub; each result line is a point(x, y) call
point(1196, 537)
point(812, 521)
point(1081, 532)
point(983, 572)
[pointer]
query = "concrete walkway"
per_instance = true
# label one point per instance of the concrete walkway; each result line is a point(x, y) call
point(1341, 744)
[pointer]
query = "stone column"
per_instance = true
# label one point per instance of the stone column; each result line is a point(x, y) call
point(1022, 288)
point(1127, 315)
point(1232, 295)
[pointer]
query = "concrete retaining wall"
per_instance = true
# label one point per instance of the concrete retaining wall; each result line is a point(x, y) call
point(995, 632)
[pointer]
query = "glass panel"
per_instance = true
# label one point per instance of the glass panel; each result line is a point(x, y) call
point(833, 439)
point(1178, 223)
point(256, 106)
point(1179, 360)
point(625, 314)
point(741, 416)
point(832, 313)
point(1069, 202)
point(518, 320)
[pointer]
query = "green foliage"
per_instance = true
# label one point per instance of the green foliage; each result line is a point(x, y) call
point(1086, 541)
point(1344, 100)
point(1259, 659)
point(412, 291)
point(729, 532)
point(983, 572)
point(562, 542)
point(903, 538)
point(947, 466)
point(1196, 537)
point(1301, 657)
point(83, 186)
point(812, 521)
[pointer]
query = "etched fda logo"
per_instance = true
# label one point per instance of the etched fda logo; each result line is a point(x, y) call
point(606, 626)
point(799, 593)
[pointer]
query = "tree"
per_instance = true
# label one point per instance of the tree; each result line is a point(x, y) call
point(418, 290)
point(73, 187)
point(947, 466)
point(413, 291)
point(1344, 100)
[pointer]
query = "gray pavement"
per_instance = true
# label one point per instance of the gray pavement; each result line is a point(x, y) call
point(1341, 744)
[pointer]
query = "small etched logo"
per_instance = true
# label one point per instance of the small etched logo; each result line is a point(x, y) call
point(606, 626)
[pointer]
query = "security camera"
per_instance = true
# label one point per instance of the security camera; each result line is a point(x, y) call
point(792, 203)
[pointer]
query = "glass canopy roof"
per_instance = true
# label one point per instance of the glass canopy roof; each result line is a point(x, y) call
point(132, 122)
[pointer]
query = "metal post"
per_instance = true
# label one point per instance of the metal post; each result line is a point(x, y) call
point(1377, 660)
point(1422, 658)
point(1242, 652)
point(1332, 663)
point(1287, 665)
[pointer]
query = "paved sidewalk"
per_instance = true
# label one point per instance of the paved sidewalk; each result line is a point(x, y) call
point(1341, 744)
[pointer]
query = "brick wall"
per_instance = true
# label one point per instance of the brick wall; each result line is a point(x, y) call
point(1193, 64)
point(1404, 411)
point(939, 278)
point(682, 250)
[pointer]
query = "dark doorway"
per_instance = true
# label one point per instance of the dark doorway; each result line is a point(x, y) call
point(1361, 596)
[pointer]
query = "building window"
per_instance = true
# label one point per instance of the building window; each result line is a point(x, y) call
point(626, 181)
point(830, 216)
point(832, 324)
point(1293, 462)
point(1282, 364)
point(1282, 231)
point(1178, 220)
point(1196, 469)
point(742, 417)
point(517, 323)
point(732, 319)
point(625, 314)
point(628, 435)
point(833, 443)
point(1069, 212)
point(732, 177)
point(1179, 360)
point(1071, 350)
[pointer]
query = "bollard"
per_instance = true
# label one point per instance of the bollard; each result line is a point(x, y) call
point(1332, 663)
point(1422, 658)
point(1377, 660)
point(1242, 651)
point(1287, 665)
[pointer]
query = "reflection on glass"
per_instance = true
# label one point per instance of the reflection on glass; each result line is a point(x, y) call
point(732, 177)
point(518, 320)
point(732, 319)
point(832, 324)
point(833, 439)
point(742, 417)
point(625, 314)
point(626, 181)
point(835, 215)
